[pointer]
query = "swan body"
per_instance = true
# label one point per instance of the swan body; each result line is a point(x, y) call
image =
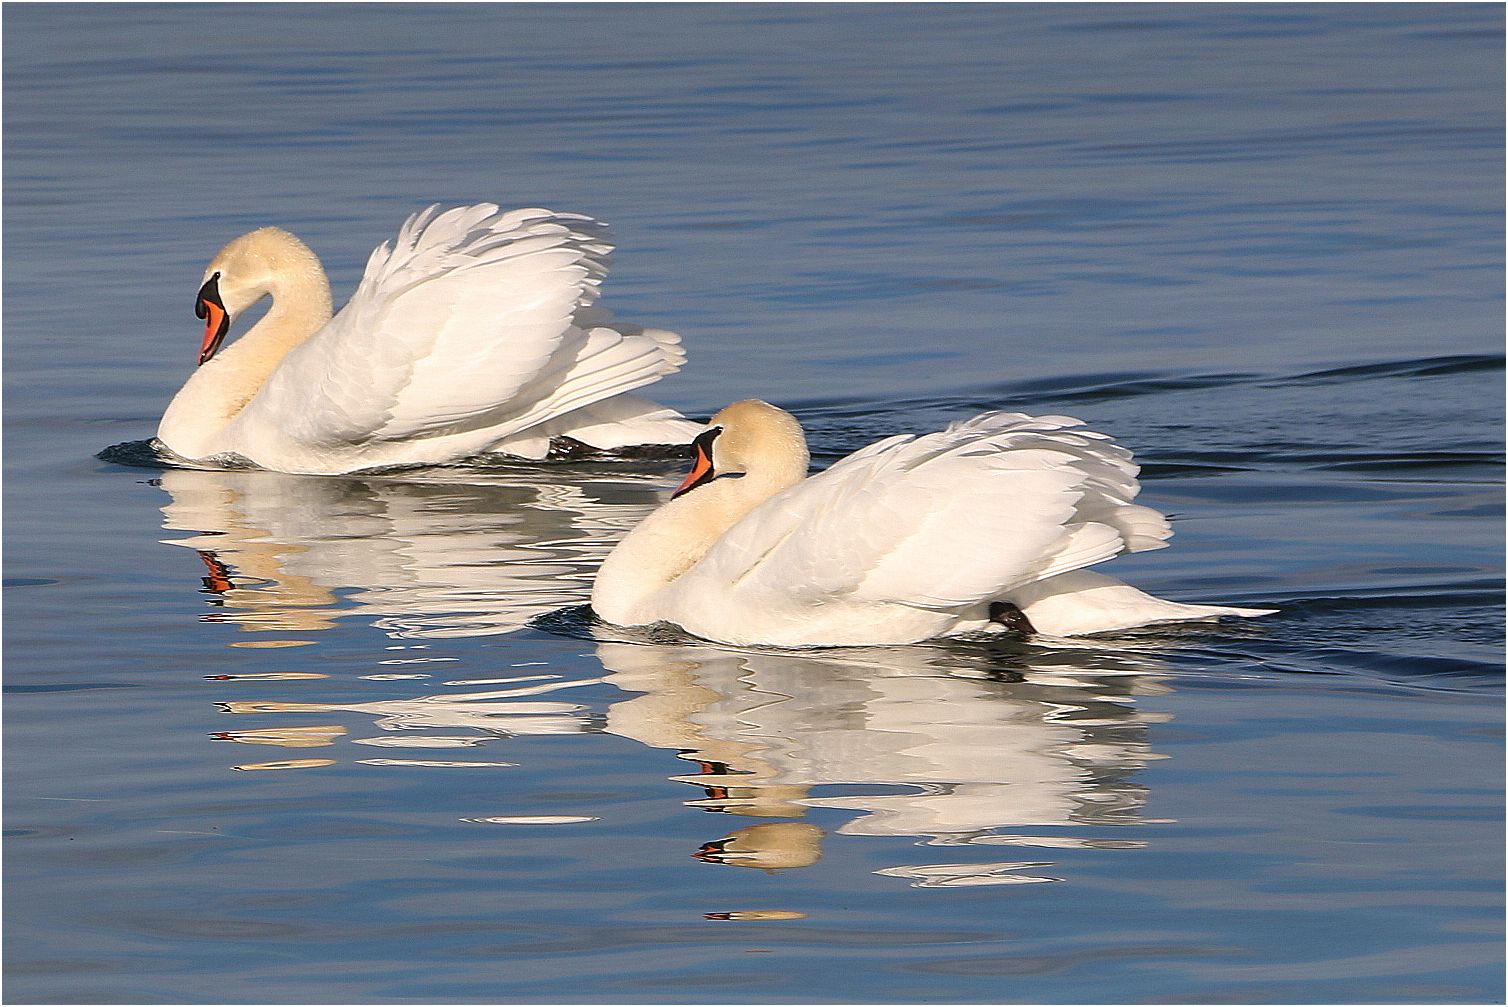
point(908, 539)
point(475, 330)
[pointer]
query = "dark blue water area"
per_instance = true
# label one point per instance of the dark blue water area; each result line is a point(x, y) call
point(274, 738)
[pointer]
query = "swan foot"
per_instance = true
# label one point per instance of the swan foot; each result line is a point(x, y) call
point(1011, 618)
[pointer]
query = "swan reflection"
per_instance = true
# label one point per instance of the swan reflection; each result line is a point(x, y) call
point(425, 555)
point(953, 746)
point(1006, 746)
point(945, 745)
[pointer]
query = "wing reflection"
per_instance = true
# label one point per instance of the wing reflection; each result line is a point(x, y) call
point(936, 743)
point(425, 555)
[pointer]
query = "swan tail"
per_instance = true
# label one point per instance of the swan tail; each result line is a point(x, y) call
point(1081, 602)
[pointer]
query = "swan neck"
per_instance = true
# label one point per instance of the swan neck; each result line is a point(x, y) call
point(674, 539)
point(218, 390)
point(300, 300)
point(300, 307)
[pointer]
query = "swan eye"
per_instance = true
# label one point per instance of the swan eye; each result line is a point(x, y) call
point(208, 294)
point(703, 442)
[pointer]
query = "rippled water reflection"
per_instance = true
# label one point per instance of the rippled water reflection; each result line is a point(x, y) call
point(988, 738)
point(445, 556)
point(958, 744)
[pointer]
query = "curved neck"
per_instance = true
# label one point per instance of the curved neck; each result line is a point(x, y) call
point(217, 392)
point(300, 307)
point(674, 539)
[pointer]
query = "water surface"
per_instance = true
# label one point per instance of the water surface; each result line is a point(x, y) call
point(294, 739)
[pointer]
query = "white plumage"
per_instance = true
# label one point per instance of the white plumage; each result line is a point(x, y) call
point(907, 539)
point(475, 330)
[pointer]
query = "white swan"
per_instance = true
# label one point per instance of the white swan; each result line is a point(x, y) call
point(476, 330)
point(979, 525)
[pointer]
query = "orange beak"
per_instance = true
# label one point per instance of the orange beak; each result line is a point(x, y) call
point(700, 469)
point(712, 853)
point(701, 464)
point(215, 328)
point(218, 581)
point(209, 307)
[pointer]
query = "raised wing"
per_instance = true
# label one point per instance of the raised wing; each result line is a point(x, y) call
point(943, 520)
point(472, 319)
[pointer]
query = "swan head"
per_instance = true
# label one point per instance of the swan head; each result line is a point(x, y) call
point(770, 845)
point(748, 438)
point(246, 270)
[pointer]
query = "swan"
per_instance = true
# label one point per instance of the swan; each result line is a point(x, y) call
point(475, 330)
point(983, 526)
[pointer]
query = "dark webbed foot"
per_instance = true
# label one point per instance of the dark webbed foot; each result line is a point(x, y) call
point(1011, 617)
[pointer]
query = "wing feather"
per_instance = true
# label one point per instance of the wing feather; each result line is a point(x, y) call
point(471, 319)
point(941, 521)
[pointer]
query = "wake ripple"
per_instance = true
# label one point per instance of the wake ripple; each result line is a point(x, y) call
point(1105, 387)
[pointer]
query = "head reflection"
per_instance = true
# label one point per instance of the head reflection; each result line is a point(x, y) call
point(772, 846)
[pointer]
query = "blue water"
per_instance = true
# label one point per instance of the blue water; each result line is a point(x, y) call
point(287, 739)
